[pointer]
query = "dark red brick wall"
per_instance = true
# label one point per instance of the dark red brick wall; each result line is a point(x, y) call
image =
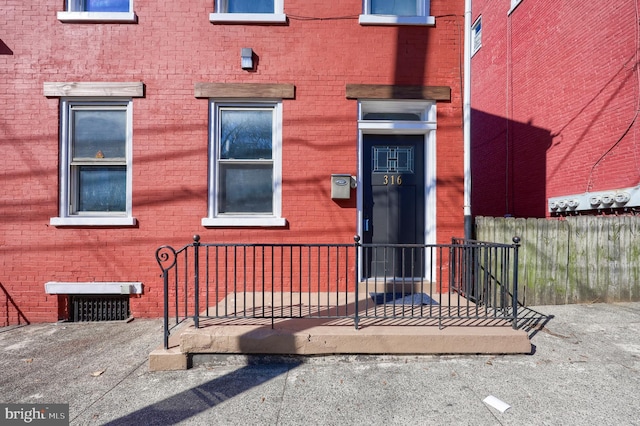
point(173, 46)
point(554, 86)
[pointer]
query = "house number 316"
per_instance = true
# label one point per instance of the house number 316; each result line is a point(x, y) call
point(393, 179)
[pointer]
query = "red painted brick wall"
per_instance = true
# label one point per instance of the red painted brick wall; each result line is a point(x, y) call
point(555, 85)
point(172, 46)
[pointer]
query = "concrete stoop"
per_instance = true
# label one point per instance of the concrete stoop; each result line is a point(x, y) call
point(309, 338)
point(317, 336)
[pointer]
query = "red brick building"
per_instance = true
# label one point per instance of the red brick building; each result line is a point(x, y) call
point(555, 101)
point(129, 124)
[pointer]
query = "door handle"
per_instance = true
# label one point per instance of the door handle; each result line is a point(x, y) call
point(366, 225)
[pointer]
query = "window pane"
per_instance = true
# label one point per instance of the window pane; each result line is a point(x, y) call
point(392, 159)
point(101, 5)
point(246, 134)
point(476, 31)
point(102, 189)
point(99, 134)
point(394, 7)
point(245, 188)
point(250, 6)
point(399, 116)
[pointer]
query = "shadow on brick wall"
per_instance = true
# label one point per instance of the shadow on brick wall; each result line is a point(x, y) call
point(4, 49)
point(508, 166)
point(10, 314)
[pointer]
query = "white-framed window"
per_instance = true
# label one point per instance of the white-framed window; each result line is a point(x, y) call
point(514, 4)
point(98, 11)
point(249, 11)
point(95, 162)
point(245, 163)
point(476, 35)
point(397, 12)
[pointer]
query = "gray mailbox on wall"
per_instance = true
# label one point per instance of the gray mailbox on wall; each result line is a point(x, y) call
point(340, 187)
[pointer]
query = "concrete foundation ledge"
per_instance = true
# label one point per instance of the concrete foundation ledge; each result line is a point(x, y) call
point(167, 360)
point(346, 340)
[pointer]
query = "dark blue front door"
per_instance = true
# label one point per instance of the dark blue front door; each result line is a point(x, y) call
point(393, 203)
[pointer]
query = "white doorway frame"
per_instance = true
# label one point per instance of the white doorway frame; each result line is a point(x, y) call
point(426, 125)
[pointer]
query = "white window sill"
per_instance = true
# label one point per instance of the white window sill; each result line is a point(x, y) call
point(248, 18)
point(243, 221)
point(54, 287)
point(396, 20)
point(93, 221)
point(109, 17)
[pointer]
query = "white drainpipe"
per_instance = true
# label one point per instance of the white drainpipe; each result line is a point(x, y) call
point(466, 119)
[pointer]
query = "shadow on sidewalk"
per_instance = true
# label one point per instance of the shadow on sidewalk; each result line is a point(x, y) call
point(191, 402)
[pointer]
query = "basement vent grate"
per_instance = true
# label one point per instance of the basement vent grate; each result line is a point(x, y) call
point(99, 308)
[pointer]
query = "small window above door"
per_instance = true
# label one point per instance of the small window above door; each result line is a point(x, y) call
point(405, 116)
point(395, 116)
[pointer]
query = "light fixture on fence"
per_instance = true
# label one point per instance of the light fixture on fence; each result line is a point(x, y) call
point(246, 58)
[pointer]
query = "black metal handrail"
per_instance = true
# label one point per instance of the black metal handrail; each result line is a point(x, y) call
point(464, 280)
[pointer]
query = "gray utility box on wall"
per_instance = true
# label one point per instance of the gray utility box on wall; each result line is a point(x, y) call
point(340, 187)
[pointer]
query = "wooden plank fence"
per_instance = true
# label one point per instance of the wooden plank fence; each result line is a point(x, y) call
point(580, 259)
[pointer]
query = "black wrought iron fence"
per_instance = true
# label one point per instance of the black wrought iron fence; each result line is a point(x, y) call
point(381, 283)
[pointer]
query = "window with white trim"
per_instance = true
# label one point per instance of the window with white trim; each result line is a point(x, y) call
point(514, 4)
point(248, 11)
point(98, 11)
point(95, 162)
point(397, 12)
point(476, 35)
point(99, 5)
point(245, 164)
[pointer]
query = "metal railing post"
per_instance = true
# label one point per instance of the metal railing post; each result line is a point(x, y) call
point(196, 277)
point(356, 318)
point(165, 278)
point(166, 258)
point(516, 246)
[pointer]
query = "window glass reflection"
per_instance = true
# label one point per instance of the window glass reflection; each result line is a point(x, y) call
point(245, 188)
point(99, 134)
point(100, 5)
point(102, 189)
point(250, 6)
point(394, 7)
point(246, 134)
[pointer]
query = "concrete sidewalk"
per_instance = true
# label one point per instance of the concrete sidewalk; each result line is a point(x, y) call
point(584, 370)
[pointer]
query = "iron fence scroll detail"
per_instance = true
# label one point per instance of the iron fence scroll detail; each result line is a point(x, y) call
point(166, 257)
